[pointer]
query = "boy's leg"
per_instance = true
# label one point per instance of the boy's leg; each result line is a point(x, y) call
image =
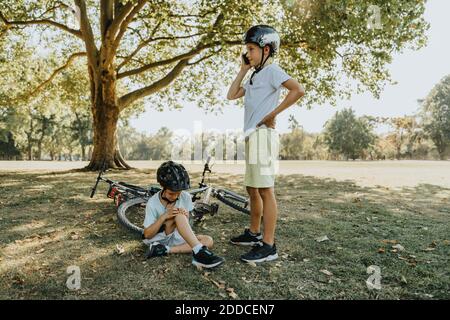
point(270, 213)
point(185, 230)
point(186, 248)
point(256, 209)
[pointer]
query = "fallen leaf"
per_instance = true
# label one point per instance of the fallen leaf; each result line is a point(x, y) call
point(381, 250)
point(389, 241)
point(252, 263)
point(217, 284)
point(233, 295)
point(40, 251)
point(399, 247)
point(245, 280)
point(328, 273)
point(322, 239)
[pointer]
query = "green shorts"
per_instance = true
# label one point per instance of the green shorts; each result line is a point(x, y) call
point(261, 158)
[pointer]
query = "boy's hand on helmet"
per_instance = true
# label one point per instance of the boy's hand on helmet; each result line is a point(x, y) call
point(269, 121)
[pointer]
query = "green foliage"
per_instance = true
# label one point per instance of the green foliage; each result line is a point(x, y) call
point(436, 115)
point(347, 135)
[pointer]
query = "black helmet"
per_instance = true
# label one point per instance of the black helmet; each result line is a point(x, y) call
point(263, 35)
point(173, 176)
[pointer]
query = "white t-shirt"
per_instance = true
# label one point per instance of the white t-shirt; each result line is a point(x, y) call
point(154, 208)
point(262, 96)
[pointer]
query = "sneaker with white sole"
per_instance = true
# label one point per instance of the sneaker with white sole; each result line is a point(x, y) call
point(247, 239)
point(156, 249)
point(260, 253)
point(206, 259)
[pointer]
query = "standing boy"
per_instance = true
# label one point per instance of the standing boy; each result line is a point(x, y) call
point(261, 95)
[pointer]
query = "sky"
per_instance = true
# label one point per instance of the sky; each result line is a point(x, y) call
point(416, 72)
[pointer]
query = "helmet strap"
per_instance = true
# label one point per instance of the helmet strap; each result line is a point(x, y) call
point(260, 66)
point(164, 198)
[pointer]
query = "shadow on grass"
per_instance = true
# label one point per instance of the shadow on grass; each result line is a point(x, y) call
point(48, 223)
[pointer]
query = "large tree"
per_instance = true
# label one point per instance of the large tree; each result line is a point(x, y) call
point(146, 44)
point(348, 135)
point(436, 115)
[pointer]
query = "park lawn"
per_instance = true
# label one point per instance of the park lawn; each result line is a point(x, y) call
point(48, 223)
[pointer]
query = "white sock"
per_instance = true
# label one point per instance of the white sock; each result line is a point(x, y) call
point(197, 248)
point(168, 249)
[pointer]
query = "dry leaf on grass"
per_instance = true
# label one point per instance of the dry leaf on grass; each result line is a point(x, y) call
point(231, 293)
point(322, 239)
point(40, 251)
point(389, 241)
point(199, 268)
point(328, 273)
point(398, 247)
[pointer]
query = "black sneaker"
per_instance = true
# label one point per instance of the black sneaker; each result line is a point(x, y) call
point(260, 253)
point(247, 239)
point(156, 249)
point(206, 259)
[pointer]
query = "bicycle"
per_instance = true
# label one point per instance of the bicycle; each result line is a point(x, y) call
point(131, 200)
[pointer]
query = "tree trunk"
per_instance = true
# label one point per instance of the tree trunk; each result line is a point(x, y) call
point(105, 111)
point(83, 152)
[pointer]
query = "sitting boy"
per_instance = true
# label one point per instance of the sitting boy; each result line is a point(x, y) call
point(166, 224)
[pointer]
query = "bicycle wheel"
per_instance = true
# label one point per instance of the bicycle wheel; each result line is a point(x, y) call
point(234, 200)
point(131, 214)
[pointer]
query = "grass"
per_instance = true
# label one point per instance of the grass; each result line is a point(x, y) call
point(49, 223)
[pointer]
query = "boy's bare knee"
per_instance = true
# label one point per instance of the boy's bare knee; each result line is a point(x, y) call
point(265, 192)
point(253, 192)
point(181, 218)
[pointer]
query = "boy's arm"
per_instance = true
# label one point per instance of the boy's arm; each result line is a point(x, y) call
point(236, 91)
point(296, 91)
point(153, 229)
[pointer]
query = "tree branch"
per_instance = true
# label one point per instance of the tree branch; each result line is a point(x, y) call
point(126, 22)
point(129, 98)
point(74, 32)
point(146, 42)
point(186, 55)
point(204, 58)
point(55, 73)
point(86, 30)
point(156, 86)
point(140, 46)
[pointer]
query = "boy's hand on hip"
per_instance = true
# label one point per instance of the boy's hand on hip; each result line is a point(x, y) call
point(269, 121)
